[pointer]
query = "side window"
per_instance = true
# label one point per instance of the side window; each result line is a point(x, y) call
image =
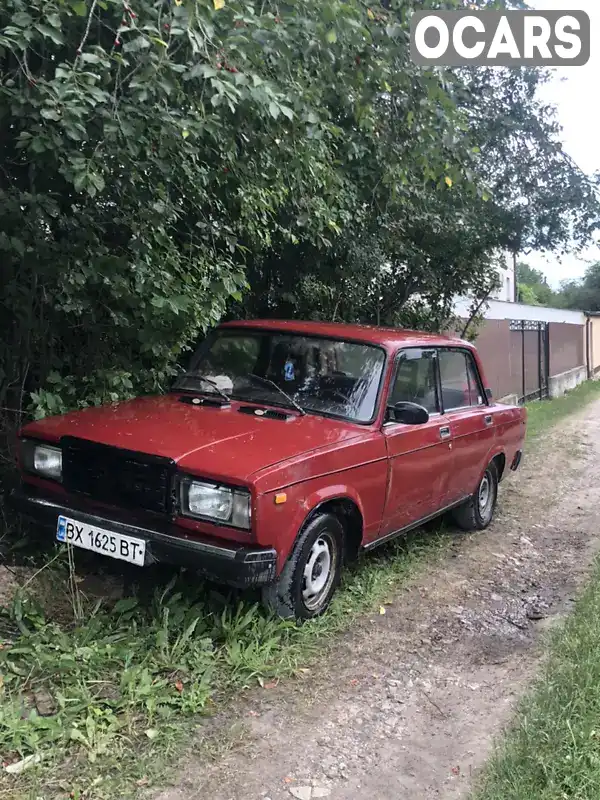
point(415, 380)
point(460, 387)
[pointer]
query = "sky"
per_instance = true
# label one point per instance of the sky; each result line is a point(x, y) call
point(575, 91)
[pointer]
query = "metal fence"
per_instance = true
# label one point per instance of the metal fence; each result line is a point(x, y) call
point(566, 347)
point(521, 357)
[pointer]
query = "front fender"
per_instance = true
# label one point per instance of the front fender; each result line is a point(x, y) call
point(318, 498)
point(279, 523)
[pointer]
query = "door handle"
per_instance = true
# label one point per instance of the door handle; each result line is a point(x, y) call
point(445, 433)
point(488, 419)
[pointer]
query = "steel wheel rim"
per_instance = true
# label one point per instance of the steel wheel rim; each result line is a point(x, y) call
point(319, 571)
point(485, 495)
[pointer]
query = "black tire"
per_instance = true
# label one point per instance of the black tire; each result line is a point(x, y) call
point(289, 596)
point(475, 515)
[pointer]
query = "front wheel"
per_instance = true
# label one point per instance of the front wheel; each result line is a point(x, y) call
point(311, 575)
point(477, 513)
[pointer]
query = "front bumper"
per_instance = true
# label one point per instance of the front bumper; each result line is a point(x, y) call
point(234, 565)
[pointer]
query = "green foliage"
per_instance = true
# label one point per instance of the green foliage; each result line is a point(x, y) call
point(145, 152)
point(166, 163)
point(541, 416)
point(102, 690)
point(529, 275)
point(99, 677)
point(533, 287)
point(541, 200)
point(422, 243)
point(551, 751)
point(583, 294)
point(527, 295)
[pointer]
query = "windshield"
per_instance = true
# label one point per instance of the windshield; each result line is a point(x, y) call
point(326, 376)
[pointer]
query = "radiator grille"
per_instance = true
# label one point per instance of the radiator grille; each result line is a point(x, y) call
point(117, 477)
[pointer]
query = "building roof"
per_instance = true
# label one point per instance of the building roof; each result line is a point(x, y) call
point(391, 338)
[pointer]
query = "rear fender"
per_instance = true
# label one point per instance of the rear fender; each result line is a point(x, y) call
point(496, 451)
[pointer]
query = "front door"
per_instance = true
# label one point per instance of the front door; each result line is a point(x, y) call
point(420, 456)
point(471, 421)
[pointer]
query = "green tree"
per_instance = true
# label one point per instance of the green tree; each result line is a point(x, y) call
point(583, 294)
point(527, 295)
point(510, 187)
point(533, 287)
point(154, 154)
point(164, 163)
point(541, 199)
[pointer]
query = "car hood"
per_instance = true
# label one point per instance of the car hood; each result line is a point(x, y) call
point(216, 442)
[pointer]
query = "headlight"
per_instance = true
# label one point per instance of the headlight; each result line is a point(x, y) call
point(216, 503)
point(42, 459)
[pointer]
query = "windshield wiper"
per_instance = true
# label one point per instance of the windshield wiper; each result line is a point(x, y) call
point(272, 384)
point(210, 383)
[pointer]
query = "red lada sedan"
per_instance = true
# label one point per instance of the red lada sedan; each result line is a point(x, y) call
point(284, 450)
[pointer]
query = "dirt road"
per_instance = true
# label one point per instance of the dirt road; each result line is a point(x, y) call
point(407, 704)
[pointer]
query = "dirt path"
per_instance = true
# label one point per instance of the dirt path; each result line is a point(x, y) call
point(406, 705)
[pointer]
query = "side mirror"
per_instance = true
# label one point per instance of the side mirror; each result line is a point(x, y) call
point(408, 413)
point(489, 394)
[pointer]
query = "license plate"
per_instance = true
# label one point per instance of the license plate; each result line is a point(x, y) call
point(99, 540)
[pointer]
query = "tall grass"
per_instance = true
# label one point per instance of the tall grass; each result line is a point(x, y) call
point(552, 750)
point(101, 690)
point(543, 414)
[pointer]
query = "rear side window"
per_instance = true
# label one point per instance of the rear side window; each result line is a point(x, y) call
point(415, 380)
point(458, 376)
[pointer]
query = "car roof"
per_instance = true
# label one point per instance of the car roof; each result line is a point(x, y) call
point(390, 338)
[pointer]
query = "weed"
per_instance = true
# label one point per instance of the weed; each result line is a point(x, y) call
point(543, 415)
point(118, 680)
point(552, 750)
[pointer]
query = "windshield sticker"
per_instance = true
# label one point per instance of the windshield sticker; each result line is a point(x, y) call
point(289, 372)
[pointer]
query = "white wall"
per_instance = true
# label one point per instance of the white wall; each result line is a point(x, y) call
point(506, 273)
point(497, 309)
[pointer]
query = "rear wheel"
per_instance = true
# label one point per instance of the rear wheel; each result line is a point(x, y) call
point(477, 513)
point(312, 573)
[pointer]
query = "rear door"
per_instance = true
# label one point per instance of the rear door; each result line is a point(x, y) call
point(420, 456)
point(472, 429)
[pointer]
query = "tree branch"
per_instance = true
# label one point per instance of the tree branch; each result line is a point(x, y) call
point(475, 313)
